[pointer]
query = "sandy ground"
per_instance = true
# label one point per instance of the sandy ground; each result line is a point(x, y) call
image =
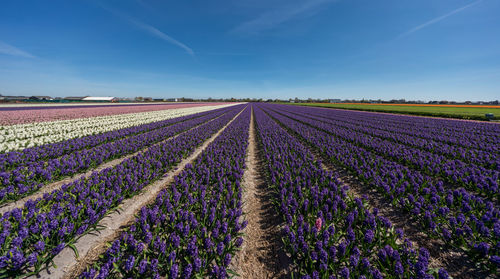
point(262, 254)
point(90, 246)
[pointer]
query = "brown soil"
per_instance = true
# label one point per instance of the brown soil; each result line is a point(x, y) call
point(58, 184)
point(262, 254)
point(90, 246)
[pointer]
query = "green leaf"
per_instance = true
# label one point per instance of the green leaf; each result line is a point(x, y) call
point(116, 265)
point(233, 273)
point(73, 247)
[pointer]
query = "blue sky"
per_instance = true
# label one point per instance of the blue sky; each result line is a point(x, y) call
point(418, 50)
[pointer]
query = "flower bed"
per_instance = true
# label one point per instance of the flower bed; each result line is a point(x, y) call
point(326, 232)
point(193, 228)
point(19, 137)
point(33, 235)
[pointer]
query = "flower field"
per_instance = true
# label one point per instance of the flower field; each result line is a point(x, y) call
point(12, 114)
point(350, 194)
point(22, 136)
point(436, 110)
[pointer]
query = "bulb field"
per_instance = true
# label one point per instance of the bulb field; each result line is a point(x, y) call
point(172, 191)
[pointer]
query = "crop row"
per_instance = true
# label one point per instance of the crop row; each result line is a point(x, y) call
point(471, 135)
point(193, 228)
point(12, 114)
point(32, 235)
point(447, 126)
point(10, 160)
point(18, 137)
point(407, 136)
point(24, 180)
point(476, 178)
point(326, 232)
point(453, 215)
point(72, 106)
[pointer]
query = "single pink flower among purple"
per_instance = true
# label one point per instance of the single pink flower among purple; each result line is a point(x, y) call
point(318, 224)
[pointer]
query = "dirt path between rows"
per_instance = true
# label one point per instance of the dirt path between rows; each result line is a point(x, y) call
point(90, 246)
point(58, 184)
point(262, 255)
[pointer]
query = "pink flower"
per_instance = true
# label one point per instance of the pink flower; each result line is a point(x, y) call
point(318, 224)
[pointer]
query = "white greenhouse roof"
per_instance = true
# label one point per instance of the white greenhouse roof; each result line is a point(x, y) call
point(98, 98)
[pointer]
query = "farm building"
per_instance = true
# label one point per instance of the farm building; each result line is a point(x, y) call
point(100, 99)
point(74, 98)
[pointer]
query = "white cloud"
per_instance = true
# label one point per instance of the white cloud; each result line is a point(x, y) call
point(14, 51)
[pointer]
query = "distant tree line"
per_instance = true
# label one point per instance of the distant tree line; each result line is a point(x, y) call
point(22, 99)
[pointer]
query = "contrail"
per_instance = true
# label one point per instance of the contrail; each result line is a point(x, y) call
point(150, 29)
point(437, 19)
point(159, 34)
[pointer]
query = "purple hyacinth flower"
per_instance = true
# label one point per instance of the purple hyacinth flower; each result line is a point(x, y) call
point(40, 246)
point(239, 241)
point(174, 271)
point(369, 235)
point(32, 259)
point(58, 249)
point(4, 262)
point(443, 274)
point(354, 260)
point(344, 273)
point(188, 270)
point(399, 269)
point(129, 263)
point(227, 260)
point(220, 248)
point(143, 266)
point(197, 264)
point(172, 256)
point(482, 248)
point(495, 260)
